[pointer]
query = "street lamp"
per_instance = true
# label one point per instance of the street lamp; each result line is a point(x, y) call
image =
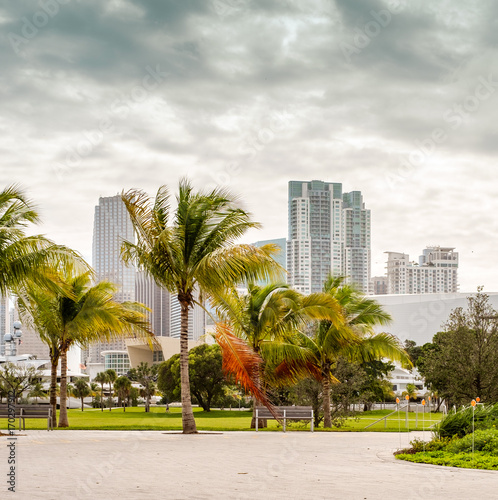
point(10, 339)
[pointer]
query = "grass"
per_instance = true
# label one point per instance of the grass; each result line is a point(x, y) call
point(216, 420)
point(478, 460)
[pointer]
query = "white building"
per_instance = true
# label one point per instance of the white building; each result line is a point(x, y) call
point(329, 233)
point(420, 317)
point(436, 272)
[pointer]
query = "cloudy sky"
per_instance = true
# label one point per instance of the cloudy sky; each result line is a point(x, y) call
point(397, 99)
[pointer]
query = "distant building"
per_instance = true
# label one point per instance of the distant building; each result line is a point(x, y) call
point(329, 233)
point(112, 225)
point(379, 285)
point(436, 272)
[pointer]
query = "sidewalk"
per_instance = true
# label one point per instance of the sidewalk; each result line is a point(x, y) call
point(232, 465)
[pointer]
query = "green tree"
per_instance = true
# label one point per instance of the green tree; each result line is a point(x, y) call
point(93, 388)
point(462, 361)
point(111, 378)
point(122, 387)
point(193, 251)
point(79, 314)
point(81, 390)
point(207, 382)
point(353, 339)
point(37, 391)
point(258, 331)
point(18, 378)
point(146, 375)
point(411, 393)
point(101, 378)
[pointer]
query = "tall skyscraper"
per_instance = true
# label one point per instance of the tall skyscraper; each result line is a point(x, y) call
point(329, 233)
point(435, 272)
point(158, 300)
point(112, 225)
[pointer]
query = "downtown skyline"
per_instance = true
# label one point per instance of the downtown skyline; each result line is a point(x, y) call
point(394, 99)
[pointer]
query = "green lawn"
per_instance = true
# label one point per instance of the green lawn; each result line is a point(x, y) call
point(216, 420)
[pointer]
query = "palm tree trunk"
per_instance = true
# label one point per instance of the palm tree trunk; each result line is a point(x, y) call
point(188, 421)
point(63, 421)
point(327, 421)
point(53, 388)
point(102, 398)
point(110, 395)
point(262, 422)
point(81, 404)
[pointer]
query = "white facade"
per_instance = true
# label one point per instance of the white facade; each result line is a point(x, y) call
point(329, 233)
point(420, 317)
point(436, 272)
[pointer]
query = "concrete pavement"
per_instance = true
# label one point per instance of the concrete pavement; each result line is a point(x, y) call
point(232, 465)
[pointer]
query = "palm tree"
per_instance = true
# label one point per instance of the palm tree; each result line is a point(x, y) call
point(79, 314)
point(353, 339)
point(101, 378)
point(37, 392)
point(411, 392)
point(146, 375)
point(192, 252)
point(81, 390)
point(93, 388)
point(265, 319)
point(111, 377)
point(122, 387)
point(25, 258)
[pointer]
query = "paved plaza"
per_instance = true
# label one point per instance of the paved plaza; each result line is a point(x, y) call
point(232, 465)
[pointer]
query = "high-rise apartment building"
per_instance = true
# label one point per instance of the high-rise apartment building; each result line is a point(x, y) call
point(435, 272)
point(329, 233)
point(112, 225)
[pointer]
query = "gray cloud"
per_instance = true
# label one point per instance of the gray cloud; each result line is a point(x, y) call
point(251, 94)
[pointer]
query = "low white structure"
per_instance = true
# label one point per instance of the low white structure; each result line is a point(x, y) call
point(420, 317)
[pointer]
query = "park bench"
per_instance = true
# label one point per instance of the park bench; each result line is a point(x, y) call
point(22, 412)
point(286, 413)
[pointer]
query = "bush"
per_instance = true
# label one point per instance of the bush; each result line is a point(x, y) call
point(484, 440)
point(459, 424)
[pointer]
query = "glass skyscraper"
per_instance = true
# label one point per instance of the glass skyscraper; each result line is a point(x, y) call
point(329, 233)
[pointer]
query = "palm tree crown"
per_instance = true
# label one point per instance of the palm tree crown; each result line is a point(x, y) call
point(80, 314)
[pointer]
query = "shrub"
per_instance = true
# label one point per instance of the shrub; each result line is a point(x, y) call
point(459, 424)
point(484, 440)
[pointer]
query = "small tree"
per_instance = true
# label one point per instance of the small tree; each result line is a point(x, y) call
point(101, 378)
point(207, 382)
point(411, 392)
point(111, 378)
point(18, 378)
point(122, 388)
point(146, 375)
point(93, 388)
point(37, 391)
point(81, 390)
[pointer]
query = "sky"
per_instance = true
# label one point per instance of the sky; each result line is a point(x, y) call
point(397, 99)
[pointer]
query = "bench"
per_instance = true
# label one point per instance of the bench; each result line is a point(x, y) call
point(286, 413)
point(22, 412)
